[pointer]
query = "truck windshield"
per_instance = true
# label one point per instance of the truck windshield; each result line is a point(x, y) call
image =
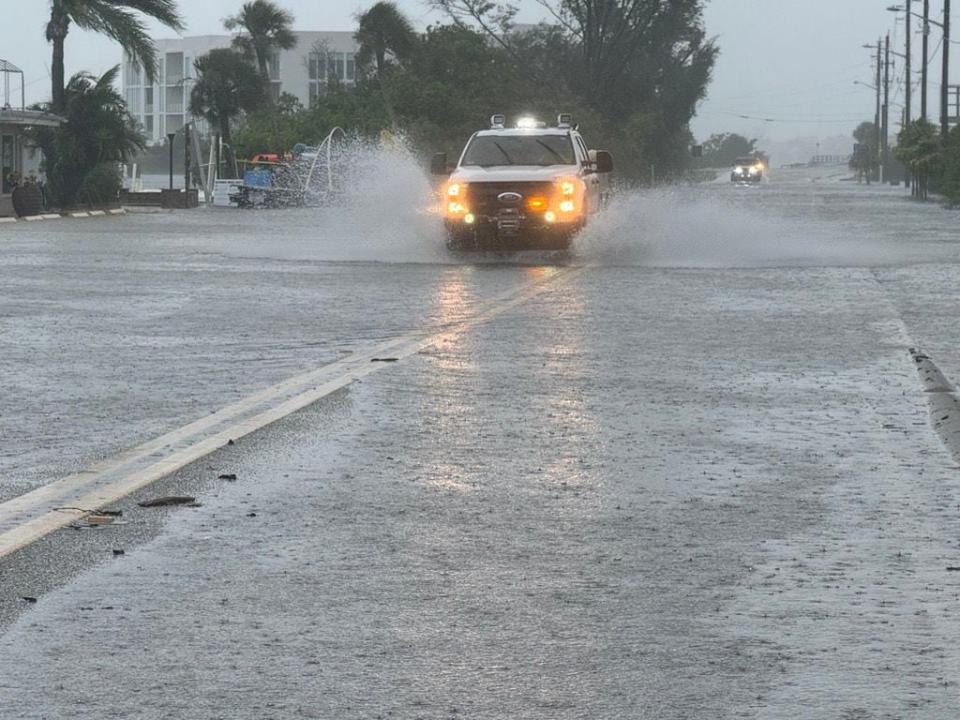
point(488, 150)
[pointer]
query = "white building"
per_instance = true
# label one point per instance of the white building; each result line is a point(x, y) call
point(304, 71)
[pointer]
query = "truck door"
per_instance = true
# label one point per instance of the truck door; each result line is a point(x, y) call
point(591, 179)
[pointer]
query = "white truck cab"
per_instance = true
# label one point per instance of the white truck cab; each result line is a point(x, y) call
point(528, 186)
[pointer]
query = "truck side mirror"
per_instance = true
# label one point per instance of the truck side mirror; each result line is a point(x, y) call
point(438, 165)
point(604, 162)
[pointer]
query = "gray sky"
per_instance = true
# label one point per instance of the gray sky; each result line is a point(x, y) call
point(791, 61)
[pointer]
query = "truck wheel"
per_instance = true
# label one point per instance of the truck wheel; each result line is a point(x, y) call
point(460, 240)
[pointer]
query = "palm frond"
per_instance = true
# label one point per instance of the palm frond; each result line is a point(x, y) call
point(121, 25)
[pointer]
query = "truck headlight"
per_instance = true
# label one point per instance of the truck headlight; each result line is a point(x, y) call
point(567, 206)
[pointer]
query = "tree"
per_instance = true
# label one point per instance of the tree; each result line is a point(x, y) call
point(639, 63)
point(723, 149)
point(615, 43)
point(865, 156)
point(117, 19)
point(919, 149)
point(226, 86)
point(80, 157)
point(949, 181)
point(384, 30)
point(264, 29)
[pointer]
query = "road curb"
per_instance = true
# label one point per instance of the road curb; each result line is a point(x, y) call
point(64, 216)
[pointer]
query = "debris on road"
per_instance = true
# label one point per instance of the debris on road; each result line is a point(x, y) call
point(232, 477)
point(118, 552)
point(168, 501)
point(385, 360)
point(28, 599)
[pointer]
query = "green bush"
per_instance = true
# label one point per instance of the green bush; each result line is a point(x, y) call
point(948, 181)
point(101, 185)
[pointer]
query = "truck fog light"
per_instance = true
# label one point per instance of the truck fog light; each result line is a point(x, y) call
point(469, 219)
point(567, 206)
point(550, 216)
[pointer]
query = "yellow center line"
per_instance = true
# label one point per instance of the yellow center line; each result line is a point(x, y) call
point(29, 517)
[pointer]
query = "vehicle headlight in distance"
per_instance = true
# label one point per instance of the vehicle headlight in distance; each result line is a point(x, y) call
point(738, 169)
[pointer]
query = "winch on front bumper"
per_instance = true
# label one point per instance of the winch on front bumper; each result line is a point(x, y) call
point(528, 215)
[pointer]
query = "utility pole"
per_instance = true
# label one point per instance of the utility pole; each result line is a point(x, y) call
point(877, 117)
point(886, 110)
point(926, 58)
point(945, 81)
point(909, 66)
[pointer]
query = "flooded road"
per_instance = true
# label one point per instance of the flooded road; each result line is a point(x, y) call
point(693, 475)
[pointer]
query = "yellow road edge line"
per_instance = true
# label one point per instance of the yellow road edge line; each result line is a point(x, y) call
point(33, 529)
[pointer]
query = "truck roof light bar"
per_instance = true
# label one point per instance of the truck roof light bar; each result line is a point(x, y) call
point(565, 121)
point(498, 122)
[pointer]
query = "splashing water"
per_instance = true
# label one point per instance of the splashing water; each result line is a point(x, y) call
point(386, 209)
point(708, 227)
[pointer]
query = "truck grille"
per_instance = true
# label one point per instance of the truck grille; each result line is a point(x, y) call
point(483, 196)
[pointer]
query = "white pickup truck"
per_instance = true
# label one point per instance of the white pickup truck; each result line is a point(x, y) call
point(524, 187)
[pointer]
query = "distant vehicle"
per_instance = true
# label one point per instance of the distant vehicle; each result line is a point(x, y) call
point(749, 169)
point(526, 187)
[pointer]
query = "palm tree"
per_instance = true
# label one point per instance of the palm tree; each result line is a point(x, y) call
point(117, 19)
point(384, 30)
point(226, 85)
point(98, 134)
point(264, 29)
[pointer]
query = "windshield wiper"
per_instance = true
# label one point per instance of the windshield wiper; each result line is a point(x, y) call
point(558, 156)
point(505, 153)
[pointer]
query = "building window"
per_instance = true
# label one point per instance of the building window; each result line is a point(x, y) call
point(273, 67)
point(329, 67)
point(316, 68)
point(133, 73)
point(174, 99)
point(148, 125)
point(148, 100)
point(174, 68)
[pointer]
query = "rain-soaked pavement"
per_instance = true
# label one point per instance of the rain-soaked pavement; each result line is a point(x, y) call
point(694, 477)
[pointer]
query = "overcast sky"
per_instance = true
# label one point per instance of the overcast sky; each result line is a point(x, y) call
point(789, 65)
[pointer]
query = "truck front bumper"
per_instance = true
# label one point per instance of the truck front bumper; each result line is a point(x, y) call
point(512, 230)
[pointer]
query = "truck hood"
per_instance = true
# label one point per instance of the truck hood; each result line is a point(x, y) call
point(513, 173)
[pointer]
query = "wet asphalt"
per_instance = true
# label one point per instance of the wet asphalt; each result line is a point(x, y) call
point(697, 480)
